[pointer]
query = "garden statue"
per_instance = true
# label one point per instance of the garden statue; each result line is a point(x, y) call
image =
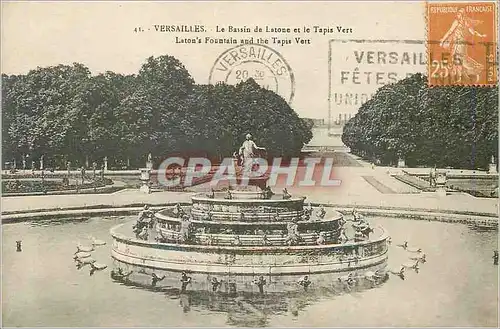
point(149, 162)
point(178, 211)
point(261, 282)
point(286, 195)
point(247, 152)
point(305, 282)
point(492, 168)
point(268, 193)
point(321, 213)
point(248, 147)
point(185, 228)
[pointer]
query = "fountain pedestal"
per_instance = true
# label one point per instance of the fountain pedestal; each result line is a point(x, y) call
point(145, 179)
point(245, 236)
point(401, 163)
point(441, 184)
point(492, 168)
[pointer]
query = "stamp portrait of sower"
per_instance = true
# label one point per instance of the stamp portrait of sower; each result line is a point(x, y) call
point(461, 43)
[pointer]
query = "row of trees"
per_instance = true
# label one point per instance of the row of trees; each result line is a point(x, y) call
point(66, 114)
point(443, 126)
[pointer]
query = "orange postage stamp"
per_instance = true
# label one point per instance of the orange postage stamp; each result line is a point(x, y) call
point(462, 48)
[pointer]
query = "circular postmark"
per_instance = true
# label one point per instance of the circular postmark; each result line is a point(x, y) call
point(263, 64)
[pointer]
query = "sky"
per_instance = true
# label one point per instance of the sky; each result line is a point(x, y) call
point(101, 36)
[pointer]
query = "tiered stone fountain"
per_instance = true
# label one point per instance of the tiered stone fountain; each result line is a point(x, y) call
point(247, 239)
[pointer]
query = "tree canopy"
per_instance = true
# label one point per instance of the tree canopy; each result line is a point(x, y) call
point(66, 114)
point(444, 126)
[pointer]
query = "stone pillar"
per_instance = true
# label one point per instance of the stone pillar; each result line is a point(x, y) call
point(441, 184)
point(24, 161)
point(145, 179)
point(401, 163)
point(493, 166)
point(68, 167)
point(105, 163)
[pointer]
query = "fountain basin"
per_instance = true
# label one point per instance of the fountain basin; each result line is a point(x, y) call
point(282, 266)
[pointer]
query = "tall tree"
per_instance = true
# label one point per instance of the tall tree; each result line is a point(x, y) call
point(444, 126)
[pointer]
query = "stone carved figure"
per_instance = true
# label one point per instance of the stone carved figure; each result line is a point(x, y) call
point(144, 234)
point(260, 283)
point(293, 236)
point(321, 213)
point(432, 177)
point(305, 282)
point(185, 228)
point(237, 241)
point(321, 239)
point(286, 195)
point(248, 148)
point(247, 153)
point(144, 219)
point(149, 161)
point(178, 211)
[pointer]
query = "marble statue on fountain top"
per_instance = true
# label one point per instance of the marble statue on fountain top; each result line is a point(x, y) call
point(248, 148)
point(247, 161)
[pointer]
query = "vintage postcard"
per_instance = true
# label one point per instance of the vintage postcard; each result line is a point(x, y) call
point(249, 164)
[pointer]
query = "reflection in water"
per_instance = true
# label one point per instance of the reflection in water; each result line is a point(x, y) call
point(244, 309)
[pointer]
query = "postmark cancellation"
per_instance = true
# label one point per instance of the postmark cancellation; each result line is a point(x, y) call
point(260, 62)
